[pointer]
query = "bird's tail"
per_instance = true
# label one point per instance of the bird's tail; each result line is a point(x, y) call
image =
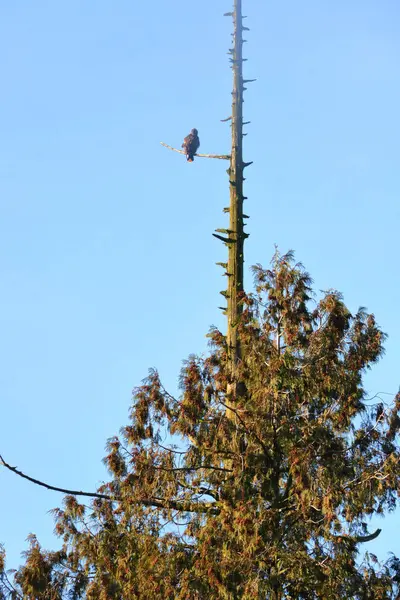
point(189, 157)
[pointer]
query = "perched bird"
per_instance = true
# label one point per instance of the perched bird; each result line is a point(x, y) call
point(191, 144)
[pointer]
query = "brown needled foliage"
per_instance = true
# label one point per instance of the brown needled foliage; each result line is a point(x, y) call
point(259, 479)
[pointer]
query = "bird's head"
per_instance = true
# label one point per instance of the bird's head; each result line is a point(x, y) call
point(194, 131)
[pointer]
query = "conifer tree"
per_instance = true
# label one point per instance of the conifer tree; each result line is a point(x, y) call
point(258, 481)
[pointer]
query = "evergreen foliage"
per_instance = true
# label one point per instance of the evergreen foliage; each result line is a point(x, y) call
point(271, 503)
point(259, 480)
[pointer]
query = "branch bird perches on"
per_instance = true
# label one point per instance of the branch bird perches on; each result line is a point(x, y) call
point(219, 156)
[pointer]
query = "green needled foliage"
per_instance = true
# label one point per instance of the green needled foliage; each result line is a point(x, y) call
point(288, 517)
point(259, 480)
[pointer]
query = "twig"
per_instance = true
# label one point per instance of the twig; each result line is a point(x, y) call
point(221, 156)
point(198, 468)
point(10, 588)
point(171, 449)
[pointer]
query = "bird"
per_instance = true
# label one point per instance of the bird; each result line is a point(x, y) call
point(191, 144)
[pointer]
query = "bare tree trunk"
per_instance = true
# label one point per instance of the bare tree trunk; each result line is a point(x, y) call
point(235, 234)
point(235, 171)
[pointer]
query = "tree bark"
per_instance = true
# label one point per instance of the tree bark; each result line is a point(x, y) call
point(236, 232)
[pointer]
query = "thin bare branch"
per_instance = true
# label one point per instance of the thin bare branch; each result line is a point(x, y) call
point(196, 507)
point(198, 468)
point(368, 538)
point(359, 539)
point(220, 156)
point(170, 449)
point(54, 488)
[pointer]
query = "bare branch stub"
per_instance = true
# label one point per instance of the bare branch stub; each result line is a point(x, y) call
point(219, 156)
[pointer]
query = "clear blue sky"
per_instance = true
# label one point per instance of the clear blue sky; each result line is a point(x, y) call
point(106, 254)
